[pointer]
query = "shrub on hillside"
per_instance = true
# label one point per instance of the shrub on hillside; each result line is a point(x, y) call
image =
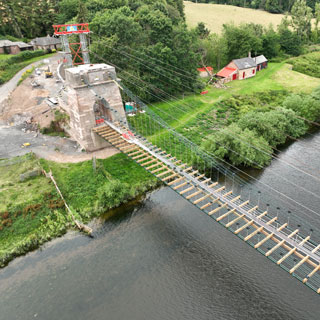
point(307, 64)
point(307, 107)
point(241, 147)
point(274, 126)
point(112, 194)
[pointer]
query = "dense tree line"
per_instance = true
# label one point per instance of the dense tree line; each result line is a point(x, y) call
point(124, 33)
point(273, 6)
point(127, 33)
point(288, 39)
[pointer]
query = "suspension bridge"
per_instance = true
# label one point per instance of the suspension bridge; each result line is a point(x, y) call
point(201, 178)
point(286, 247)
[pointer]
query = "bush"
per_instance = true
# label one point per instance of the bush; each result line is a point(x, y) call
point(274, 126)
point(241, 147)
point(112, 194)
point(308, 64)
point(20, 57)
point(307, 107)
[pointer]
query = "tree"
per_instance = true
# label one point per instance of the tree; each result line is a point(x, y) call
point(274, 126)
point(202, 31)
point(241, 40)
point(214, 50)
point(154, 53)
point(241, 147)
point(305, 106)
point(270, 43)
point(301, 16)
point(82, 16)
point(290, 42)
point(273, 6)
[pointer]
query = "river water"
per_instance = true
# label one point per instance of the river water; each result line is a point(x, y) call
point(161, 258)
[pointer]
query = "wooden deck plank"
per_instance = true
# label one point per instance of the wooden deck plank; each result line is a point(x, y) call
point(186, 190)
point(159, 169)
point(175, 181)
point(164, 173)
point(139, 156)
point(217, 209)
point(180, 185)
point(144, 159)
point(149, 162)
point(316, 269)
point(154, 165)
point(193, 194)
point(202, 198)
point(170, 177)
point(226, 214)
point(252, 234)
point(234, 220)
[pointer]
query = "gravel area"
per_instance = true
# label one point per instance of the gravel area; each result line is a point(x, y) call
point(12, 140)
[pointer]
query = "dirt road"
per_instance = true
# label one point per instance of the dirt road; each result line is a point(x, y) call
point(8, 87)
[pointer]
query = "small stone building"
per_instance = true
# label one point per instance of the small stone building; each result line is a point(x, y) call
point(261, 61)
point(10, 47)
point(91, 94)
point(239, 69)
point(46, 43)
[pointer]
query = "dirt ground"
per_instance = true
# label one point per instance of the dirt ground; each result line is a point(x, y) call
point(25, 109)
point(29, 101)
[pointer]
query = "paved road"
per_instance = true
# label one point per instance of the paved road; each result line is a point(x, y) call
point(9, 86)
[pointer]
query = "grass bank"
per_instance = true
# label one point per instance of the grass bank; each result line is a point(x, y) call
point(31, 211)
point(8, 69)
point(307, 64)
point(273, 94)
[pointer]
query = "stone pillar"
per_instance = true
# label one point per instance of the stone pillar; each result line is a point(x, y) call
point(86, 86)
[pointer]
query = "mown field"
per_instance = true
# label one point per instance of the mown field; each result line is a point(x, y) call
point(215, 15)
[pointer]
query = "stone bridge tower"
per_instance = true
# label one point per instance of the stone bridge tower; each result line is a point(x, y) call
point(90, 93)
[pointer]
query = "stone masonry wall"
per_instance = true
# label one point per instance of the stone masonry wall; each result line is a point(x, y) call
point(78, 100)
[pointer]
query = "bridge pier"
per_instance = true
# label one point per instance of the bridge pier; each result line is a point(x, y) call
point(90, 93)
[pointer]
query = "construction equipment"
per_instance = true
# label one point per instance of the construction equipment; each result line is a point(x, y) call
point(48, 73)
point(35, 83)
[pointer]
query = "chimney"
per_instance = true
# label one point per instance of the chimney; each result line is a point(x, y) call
point(249, 54)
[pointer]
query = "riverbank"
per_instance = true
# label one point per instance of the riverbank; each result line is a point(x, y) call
point(31, 211)
point(247, 120)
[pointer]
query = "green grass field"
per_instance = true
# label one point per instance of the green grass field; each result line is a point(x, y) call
point(278, 76)
point(4, 56)
point(215, 15)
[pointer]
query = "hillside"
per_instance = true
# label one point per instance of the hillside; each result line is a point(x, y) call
point(215, 15)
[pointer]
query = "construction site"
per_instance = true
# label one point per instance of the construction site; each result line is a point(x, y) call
point(80, 106)
point(64, 98)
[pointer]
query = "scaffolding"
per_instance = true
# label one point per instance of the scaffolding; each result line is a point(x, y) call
point(76, 52)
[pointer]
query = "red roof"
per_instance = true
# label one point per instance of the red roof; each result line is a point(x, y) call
point(226, 72)
point(204, 69)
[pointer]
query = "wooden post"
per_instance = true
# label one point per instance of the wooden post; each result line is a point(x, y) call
point(94, 164)
point(79, 225)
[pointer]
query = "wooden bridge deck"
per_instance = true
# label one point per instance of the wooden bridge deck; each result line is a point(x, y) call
point(285, 247)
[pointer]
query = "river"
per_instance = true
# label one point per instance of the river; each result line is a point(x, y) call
point(161, 258)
